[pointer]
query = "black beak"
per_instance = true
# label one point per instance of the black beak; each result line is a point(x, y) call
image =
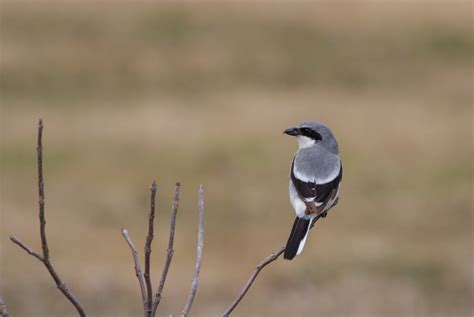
point(292, 131)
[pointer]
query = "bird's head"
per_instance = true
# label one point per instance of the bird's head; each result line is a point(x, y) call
point(312, 133)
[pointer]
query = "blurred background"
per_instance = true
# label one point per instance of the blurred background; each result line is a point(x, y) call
point(201, 92)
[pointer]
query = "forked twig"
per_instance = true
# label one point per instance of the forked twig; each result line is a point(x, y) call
point(44, 258)
point(149, 239)
point(272, 257)
point(170, 251)
point(138, 270)
point(3, 308)
point(200, 245)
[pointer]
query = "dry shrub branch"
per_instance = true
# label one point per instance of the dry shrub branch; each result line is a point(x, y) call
point(150, 302)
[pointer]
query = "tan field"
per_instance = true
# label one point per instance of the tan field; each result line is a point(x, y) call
point(200, 92)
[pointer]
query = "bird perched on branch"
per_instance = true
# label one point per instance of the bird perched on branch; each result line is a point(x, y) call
point(315, 177)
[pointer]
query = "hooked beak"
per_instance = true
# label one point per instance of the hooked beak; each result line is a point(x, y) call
point(292, 131)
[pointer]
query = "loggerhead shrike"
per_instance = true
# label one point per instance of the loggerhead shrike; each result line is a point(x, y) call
point(315, 177)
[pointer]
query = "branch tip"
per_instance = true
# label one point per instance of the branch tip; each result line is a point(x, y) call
point(149, 239)
point(200, 246)
point(169, 251)
point(138, 271)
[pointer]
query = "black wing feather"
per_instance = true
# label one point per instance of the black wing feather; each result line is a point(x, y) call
point(311, 189)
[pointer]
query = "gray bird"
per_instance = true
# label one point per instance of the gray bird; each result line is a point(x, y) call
point(315, 177)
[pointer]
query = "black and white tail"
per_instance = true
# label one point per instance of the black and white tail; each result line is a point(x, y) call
point(297, 238)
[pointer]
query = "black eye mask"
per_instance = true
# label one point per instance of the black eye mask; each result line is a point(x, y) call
point(310, 133)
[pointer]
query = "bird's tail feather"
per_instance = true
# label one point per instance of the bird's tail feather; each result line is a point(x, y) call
point(297, 238)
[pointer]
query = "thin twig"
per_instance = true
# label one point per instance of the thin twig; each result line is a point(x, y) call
point(26, 248)
point(170, 250)
point(3, 308)
point(149, 239)
point(44, 243)
point(39, 149)
point(252, 278)
point(200, 245)
point(138, 271)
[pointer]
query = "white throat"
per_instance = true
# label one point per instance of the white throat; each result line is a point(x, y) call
point(305, 142)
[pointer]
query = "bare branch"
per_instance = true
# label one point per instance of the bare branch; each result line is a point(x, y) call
point(3, 308)
point(252, 278)
point(138, 270)
point(62, 287)
point(149, 239)
point(27, 249)
point(170, 250)
point(200, 245)
point(150, 304)
point(44, 243)
point(39, 150)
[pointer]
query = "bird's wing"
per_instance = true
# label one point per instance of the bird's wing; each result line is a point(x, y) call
point(321, 194)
